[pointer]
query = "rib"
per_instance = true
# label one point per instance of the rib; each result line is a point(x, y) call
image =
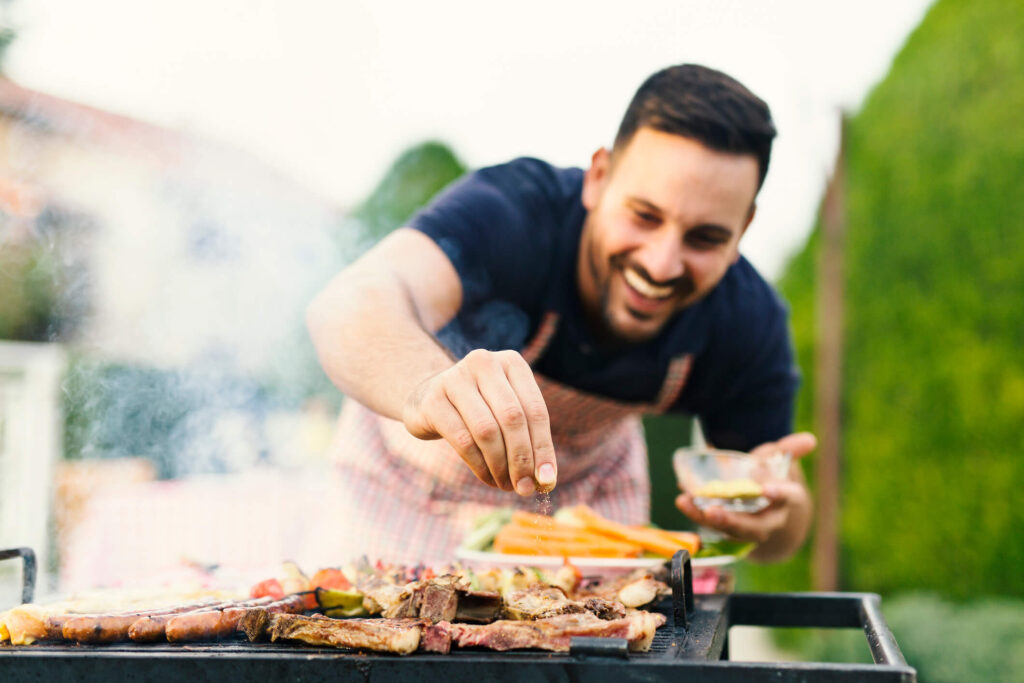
point(399, 636)
point(541, 602)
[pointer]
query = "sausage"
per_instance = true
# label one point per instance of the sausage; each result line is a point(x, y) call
point(203, 625)
point(209, 624)
point(153, 628)
point(106, 628)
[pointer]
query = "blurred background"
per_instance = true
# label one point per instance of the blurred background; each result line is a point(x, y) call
point(178, 179)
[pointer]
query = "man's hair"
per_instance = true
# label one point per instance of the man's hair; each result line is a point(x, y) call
point(705, 105)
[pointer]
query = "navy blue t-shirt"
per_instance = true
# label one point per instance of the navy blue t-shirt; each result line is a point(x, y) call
point(512, 232)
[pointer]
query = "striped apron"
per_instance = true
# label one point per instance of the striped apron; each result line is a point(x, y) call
point(402, 499)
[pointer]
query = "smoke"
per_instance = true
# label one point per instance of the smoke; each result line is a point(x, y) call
point(182, 287)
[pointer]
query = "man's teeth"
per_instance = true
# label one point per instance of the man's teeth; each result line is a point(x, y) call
point(640, 284)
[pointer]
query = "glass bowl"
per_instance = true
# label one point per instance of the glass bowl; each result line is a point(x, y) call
point(729, 479)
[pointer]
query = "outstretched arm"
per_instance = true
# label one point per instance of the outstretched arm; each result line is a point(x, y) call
point(373, 327)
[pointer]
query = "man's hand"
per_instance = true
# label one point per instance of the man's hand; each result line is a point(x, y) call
point(780, 529)
point(489, 408)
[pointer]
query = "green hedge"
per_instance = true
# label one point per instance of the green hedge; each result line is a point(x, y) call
point(934, 272)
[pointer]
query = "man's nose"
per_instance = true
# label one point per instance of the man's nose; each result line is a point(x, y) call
point(662, 257)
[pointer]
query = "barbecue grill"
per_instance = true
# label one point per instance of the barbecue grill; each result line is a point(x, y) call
point(691, 646)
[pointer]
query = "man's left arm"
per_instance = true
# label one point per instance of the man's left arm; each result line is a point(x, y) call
point(755, 413)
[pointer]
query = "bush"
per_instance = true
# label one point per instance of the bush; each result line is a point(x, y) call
point(933, 395)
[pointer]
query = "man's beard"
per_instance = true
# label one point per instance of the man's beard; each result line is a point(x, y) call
point(683, 287)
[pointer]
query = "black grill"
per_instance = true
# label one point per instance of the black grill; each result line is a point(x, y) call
point(691, 646)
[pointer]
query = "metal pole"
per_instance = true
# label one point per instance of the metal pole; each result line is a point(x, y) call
point(828, 398)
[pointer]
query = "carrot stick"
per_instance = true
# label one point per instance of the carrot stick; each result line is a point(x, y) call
point(562, 532)
point(529, 546)
point(594, 540)
point(528, 542)
point(684, 539)
point(645, 537)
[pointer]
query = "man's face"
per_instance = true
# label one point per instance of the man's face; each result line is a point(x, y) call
point(665, 217)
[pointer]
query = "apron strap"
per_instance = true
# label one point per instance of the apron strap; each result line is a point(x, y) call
point(675, 377)
point(533, 350)
point(675, 380)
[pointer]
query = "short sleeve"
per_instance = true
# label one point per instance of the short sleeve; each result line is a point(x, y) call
point(744, 381)
point(759, 406)
point(496, 226)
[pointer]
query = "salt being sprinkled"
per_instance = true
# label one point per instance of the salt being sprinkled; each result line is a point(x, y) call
point(542, 502)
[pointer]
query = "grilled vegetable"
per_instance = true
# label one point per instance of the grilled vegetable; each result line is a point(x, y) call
point(340, 603)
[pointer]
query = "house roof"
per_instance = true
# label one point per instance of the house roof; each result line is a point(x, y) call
point(66, 117)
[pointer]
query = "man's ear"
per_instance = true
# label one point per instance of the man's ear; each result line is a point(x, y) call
point(743, 231)
point(596, 178)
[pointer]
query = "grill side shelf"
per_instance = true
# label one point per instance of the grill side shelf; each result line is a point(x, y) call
point(822, 610)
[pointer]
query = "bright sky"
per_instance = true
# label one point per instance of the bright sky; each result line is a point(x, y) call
point(332, 91)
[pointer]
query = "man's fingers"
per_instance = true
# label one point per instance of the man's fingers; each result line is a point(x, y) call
point(743, 526)
point(463, 392)
point(449, 424)
point(685, 504)
point(798, 444)
point(782, 491)
point(507, 408)
point(490, 409)
point(544, 466)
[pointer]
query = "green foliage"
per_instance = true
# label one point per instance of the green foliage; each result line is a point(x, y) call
point(29, 304)
point(415, 177)
point(934, 270)
point(664, 434)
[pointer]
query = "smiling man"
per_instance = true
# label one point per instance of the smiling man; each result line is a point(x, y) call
point(511, 337)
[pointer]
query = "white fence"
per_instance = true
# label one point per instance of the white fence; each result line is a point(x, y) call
point(30, 446)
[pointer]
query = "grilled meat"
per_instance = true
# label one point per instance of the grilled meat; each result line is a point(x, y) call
point(555, 633)
point(399, 636)
point(635, 590)
point(541, 602)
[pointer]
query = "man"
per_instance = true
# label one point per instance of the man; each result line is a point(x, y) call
point(510, 337)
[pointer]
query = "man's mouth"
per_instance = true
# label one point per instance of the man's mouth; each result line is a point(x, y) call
point(646, 288)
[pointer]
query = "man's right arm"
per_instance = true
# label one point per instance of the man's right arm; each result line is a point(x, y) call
point(373, 326)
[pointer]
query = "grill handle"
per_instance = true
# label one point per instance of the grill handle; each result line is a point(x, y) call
point(820, 610)
point(583, 646)
point(681, 579)
point(28, 573)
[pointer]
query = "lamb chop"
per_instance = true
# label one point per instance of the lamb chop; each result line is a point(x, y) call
point(540, 602)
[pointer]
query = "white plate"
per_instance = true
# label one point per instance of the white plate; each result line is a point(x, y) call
point(598, 565)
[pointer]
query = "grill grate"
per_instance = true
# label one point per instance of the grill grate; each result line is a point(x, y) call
point(696, 652)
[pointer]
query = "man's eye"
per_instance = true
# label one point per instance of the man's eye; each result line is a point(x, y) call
point(704, 240)
point(646, 217)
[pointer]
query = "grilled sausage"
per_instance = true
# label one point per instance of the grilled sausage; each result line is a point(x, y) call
point(152, 629)
point(217, 624)
point(209, 624)
point(106, 628)
point(204, 625)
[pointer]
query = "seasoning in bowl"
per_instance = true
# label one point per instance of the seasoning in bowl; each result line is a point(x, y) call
point(729, 479)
